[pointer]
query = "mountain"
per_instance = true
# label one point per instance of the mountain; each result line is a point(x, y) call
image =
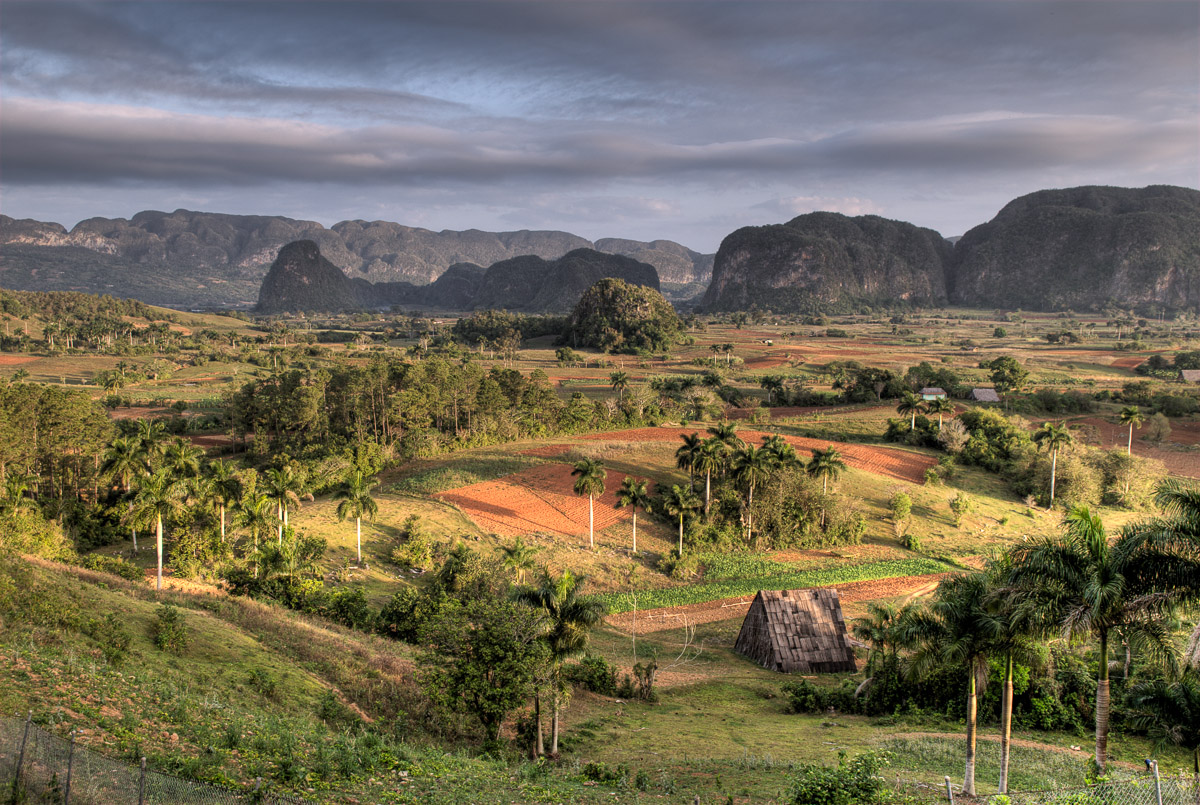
point(302, 279)
point(1083, 248)
point(190, 258)
point(828, 262)
point(675, 263)
point(533, 285)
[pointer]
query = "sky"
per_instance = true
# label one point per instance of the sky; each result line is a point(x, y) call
point(643, 120)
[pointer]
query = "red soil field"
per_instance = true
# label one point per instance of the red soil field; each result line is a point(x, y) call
point(657, 620)
point(545, 451)
point(899, 464)
point(16, 360)
point(537, 500)
point(1177, 461)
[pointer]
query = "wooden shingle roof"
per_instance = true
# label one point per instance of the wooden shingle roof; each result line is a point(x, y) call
point(985, 395)
point(797, 631)
point(1190, 375)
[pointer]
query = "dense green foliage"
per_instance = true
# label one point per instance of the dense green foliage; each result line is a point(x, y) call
point(615, 316)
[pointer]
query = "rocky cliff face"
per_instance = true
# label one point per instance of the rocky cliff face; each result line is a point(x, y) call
point(302, 279)
point(197, 258)
point(674, 262)
point(1083, 248)
point(534, 285)
point(828, 262)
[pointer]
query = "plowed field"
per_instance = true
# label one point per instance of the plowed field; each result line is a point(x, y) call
point(894, 463)
point(1174, 453)
point(16, 360)
point(537, 500)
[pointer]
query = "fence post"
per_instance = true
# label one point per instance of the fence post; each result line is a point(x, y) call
point(142, 784)
point(70, 767)
point(1153, 764)
point(16, 786)
point(949, 790)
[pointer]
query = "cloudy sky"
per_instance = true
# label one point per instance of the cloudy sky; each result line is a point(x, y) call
point(680, 120)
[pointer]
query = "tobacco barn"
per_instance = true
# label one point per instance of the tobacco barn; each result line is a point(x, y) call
point(797, 631)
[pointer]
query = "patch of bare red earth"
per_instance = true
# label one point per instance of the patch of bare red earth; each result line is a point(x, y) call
point(893, 463)
point(537, 500)
point(657, 620)
point(1114, 435)
point(16, 360)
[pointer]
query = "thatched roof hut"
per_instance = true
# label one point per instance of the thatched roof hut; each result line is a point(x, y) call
point(797, 631)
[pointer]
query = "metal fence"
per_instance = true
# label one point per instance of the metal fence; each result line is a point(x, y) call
point(1149, 789)
point(39, 767)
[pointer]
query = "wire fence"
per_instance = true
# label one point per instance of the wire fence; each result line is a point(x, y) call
point(37, 766)
point(1149, 789)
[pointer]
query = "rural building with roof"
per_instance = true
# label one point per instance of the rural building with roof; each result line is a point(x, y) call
point(1189, 375)
point(797, 631)
point(932, 393)
point(984, 395)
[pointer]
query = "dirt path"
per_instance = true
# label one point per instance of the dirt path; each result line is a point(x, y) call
point(657, 620)
point(1084, 750)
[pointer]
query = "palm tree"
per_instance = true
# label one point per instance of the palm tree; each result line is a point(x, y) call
point(571, 620)
point(518, 558)
point(633, 493)
point(182, 460)
point(356, 500)
point(939, 406)
point(1053, 437)
point(825, 464)
point(685, 456)
point(710, 459)
point(125, 460)
point(751, 466)
point(223, 489)
point(911, 404)
point(13, 499)
point(283, 485)
point(1169, 711)
point(255, 516)
point(957, 628)
point(726, 434)
point(881, 629)
point(591, 483)
point(1129, 585)
point(158, 496)
point(1132, 417)
point(678, 502)
point(619, 381)
point(151, 436)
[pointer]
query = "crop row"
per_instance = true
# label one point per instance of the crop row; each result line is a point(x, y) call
point(730, 588)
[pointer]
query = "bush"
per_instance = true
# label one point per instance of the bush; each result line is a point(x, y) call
point(853, 782)
point(170, 631)
point(114, 565)
point(112, 636)
point(594, 674)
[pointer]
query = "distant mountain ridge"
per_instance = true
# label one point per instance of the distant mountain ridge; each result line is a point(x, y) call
point(197, 258)
point(1084, 248)
point(302, 279)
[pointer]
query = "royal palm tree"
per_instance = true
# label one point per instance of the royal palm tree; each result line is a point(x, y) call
point(825, 464)
point(1096, 587)
point(125, 461)
point(633, 493)
point(1169, 711)
point(356, 501)
point(571, 620)
point(14, 497)
point(677, 502)
point(224, 489)
point(710, 459)
point(157, 497)
point(751, 466)
point(685, 456)
point(957, 629)
point(911, 404)
point(1132, 417)
point(151, 437)
point(254, 514)
point(619, 381)
point(1053, 438)
point(940, 406)
point(590, 482)
point(726, 434)
point(284, 486)
point(882, 630)
point(518, 558)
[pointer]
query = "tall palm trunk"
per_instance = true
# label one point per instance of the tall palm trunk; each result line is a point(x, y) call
point(1102, 705)
point(681, 533)
point(1006, 723)
point(358, 536)
point(750, 514)
point(554, 718)
point(222, 523)
point(635, 529)
point(158, 585)
point(972, 716)
point(707, 491)
point(539, 747)
point(282, 512)
point(1053, 473)
point(591, 522)
point(1129, 447)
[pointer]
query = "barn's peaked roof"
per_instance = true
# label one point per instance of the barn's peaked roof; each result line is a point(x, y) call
point(797, 631)
point(930, 390)
point(1190, 375)
point(985, 395)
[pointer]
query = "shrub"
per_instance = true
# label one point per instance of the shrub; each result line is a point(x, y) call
point(853, 782)
point(960, 504)
point(112, 636)
point(170, 631)
point(114, 565)
point(901, 505)
point(594, 674)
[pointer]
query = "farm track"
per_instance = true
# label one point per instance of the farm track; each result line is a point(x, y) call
point(657, 620)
